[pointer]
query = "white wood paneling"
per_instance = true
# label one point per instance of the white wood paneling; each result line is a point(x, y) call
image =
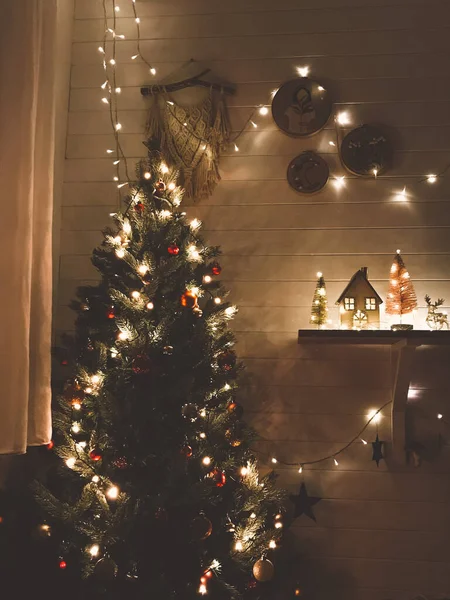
point(381, 532)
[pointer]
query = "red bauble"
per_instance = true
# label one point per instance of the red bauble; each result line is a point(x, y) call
point(139, 207)
point(226, 360)
point(95, 454)
point(50, 445)
point(111, 314)
point(216, 269)
point(141, 364)
point(186, 451)
point(189, 300)
point(201, 528)
point(62, 564)
point(218, 477)
point(173, 249)
point(160, 186)
point(235, 409)
point(121, 462)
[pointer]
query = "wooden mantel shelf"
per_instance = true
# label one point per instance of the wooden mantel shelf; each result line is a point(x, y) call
point(374, 337)
point(403, 346)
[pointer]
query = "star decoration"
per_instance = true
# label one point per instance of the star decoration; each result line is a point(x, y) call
point(377, 454)
point(303, 504)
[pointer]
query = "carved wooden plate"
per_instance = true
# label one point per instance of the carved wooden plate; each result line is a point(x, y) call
point(301, 107)
point(307, 173)
point(365, 150)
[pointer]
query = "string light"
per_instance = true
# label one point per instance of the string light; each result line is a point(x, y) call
point(134, 57)
point(112, 62)
point(109, 151)
point(118, 90)
point(118, 126)
point(207, 279)
point(253, 515)
point(135, 295)
point(364, 442)
point(332, 143)
point(431, 178)
point(303, 71)
point(263, 110)
point(343, 118)
point(164, 168)
point(105, 100)
point(94, 550)
point(374, 416)
point(202, 589)
point(238, 546)
point(272, 544)
point(335, 461)
point(339, 182)
point(195, 224)
point(300, 469)
point(171, 186)
point(70, 462)
point(123, 335)
point(121, 185)
point(153, 71)
point(120, 252)
point(76, 406)
point(244, 471)
point(202, 435)
point(274, 461)
point(76, 428)
point(113, 492)
point(150, 305)
point(230, 311)
point(217, 300)
point(95, 478)
point(440, 416)
point(206, 461)
point(116, 162)
point(236, 148)
point(401, 196)
point(278, 525)
point(101, 49)
point(143, 269)
point(254, 124)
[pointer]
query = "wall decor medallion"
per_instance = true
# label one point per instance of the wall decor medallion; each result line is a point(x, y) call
point(366, 151)
point(307, 173)
point(301, 107)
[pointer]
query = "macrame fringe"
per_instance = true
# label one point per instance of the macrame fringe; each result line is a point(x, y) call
point(183, 133)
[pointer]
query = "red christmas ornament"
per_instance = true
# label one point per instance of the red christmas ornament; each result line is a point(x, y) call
point(111, 314)
point(62, 564)
point(160, 186)
point(189, 300)
point(235, 409)
point(141, 364)
point(121, 462)
point(95, 454)
point(218, 477)
point(201, 528)
point(226, 360)
point(1, 520)
point(173, 249)
point(186, 451)
point(139, 207)
point(216, 269)
point(50, 445)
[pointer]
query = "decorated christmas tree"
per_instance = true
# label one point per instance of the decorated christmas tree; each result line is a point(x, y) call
point(161, 496)
point(401, 298)
point(319, 309)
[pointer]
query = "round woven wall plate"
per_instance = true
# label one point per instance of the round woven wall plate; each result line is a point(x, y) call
point(301, 107)
point(307, 173)
point(366, 151)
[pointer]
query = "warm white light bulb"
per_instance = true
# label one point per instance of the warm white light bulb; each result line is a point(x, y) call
point(109, 151)
point(147, 175)
point(202, 435)
point(244, 471)
point(336, 462)
point(440, 416)
point(263, 110)
point(95, 379)
point(274, 461)
point(164, 168)
point(171, 186)
point(206, 461)
point(217, 300)
point(95, 478)
point(254, 124)
point(195, 224)
point(236, 148)
point(364, 442)
point(113, 492)
point(121, 185)
point(120, 252)
point(374, 416)
point(202, 589)
point(153, 71)
point(134, 57)
point(278, 525)
point(118, 126)
point(272, 544)
point(339, 182)
point(118, 90)
point(332, 143)
point(76, 406)
point(116, 162)
point(253, 515)
point(143, 269)
point(101, 49)
point(135, 295)
point(238, 546)
point(112, 62)
point(94, 550)
point(150, 305)
point(303, 71)
point(76, 428)
point(431, 178)
point(123, 335)
point(207, 279)
point(343, 118)
point(105, 100)
point(300, 469)
point(137, 19)
point(202, 413)
point(103, 86)
point(70, 462)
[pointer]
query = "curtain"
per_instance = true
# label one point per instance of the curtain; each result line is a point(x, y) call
point(27, 117)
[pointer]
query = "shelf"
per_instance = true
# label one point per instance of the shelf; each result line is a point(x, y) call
point(377, 337)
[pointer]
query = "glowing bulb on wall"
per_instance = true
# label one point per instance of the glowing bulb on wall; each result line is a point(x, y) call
point(339, 182)
point(343, 118)
point(272, 544)
point(374, 416)
point(153, 71)
point(303, 71)
point(431, 178)
point(94, 550)
point(263, 110)
point(113, 492)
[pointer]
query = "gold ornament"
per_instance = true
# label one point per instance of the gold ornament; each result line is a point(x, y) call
point(263, 570)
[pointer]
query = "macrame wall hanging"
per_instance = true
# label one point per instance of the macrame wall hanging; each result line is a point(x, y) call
point(191, 138)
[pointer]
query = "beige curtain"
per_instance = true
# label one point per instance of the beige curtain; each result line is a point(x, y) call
point(27, 117)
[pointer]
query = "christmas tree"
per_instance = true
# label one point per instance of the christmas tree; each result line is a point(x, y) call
point(401, 298)
point(319, 309)
point(161, 495)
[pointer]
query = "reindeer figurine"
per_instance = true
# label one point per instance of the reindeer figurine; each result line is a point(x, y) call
point(436, 319)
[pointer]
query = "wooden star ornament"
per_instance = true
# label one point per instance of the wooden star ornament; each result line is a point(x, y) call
point(303, 504)
point(377, 453)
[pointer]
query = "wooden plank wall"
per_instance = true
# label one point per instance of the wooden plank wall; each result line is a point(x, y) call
point(381, 532)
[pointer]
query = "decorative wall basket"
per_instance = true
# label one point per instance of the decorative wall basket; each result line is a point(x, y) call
point(366, 151)
point(307, 173)
point(301, 107)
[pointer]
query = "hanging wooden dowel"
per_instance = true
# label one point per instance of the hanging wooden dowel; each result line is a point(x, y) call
point(195, 81)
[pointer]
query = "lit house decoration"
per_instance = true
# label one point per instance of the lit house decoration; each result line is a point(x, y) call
point(359, 303)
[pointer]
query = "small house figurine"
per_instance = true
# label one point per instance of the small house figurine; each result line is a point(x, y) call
point(359, 303)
